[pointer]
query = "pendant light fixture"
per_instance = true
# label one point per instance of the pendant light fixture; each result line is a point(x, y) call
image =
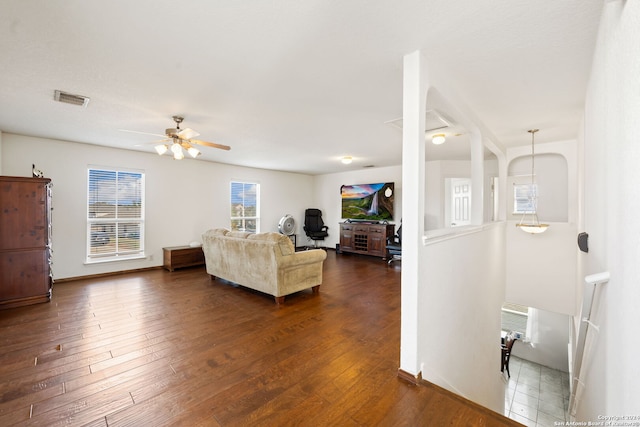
point(529, 222)
point(438, 139)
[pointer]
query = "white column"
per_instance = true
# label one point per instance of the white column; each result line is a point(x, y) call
point(415, 87)
point(477, 179)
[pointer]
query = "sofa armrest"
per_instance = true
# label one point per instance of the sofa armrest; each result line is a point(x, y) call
point(302, 258)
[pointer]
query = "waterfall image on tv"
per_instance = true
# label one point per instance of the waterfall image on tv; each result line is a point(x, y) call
point(367, 202)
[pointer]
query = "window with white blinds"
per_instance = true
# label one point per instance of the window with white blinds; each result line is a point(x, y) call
point(515, 318)
point(115, 214)
point(245, 206)
point(524, 198)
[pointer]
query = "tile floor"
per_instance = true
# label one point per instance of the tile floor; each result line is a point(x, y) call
point(536, 396)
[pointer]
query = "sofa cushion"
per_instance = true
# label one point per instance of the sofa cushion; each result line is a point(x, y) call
point(238, 234)
point(217, 232)
point(283, 242)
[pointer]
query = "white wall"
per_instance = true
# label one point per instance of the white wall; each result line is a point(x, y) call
point(434, 195)
point(183, 198)
point(327, 191)
point(611, 154)
point(548, 345)
point(491, 170)
point(436, 172)
point(436, 198)
point(461, 294)
point(518, 160)
point(540, 268)
point(552, 181)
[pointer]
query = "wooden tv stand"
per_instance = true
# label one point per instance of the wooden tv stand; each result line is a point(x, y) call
point(365, 238)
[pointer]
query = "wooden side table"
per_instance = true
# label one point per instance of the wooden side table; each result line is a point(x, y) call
point(182, 256)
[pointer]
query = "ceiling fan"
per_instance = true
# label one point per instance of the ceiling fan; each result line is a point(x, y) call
point(177, 139)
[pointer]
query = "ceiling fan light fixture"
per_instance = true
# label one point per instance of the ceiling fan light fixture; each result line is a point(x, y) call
point(438, 139)
point(176, 148)
point(161, 149)
point(347, 160)
point(193, 152)
point(178, 140)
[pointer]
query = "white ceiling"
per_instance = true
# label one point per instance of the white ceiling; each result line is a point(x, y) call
point(290, 85)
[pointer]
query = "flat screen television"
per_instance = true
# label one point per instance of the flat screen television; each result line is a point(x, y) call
point(367, 202)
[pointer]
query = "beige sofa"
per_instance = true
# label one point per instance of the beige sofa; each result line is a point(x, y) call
point(266, 262)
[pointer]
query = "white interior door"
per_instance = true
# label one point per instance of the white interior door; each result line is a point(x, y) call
point(460, 201)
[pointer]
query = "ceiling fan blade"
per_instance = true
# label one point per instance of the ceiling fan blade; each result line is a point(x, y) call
point(159, 141)
point(187, 133)
point(143, 133)
point(210, 144)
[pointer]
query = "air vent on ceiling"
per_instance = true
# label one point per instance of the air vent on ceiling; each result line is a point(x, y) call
point(434, 120)
point(69, 98)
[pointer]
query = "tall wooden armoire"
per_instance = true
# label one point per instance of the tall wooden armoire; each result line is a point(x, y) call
point(25, 241)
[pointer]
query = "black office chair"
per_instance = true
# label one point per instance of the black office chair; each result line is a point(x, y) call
point(394, 246)
point(314, 227)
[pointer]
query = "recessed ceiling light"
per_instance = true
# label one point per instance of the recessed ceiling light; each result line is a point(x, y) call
point(346, 160)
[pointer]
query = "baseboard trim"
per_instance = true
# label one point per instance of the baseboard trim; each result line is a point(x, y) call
point(25, 301)
point(97, 276)
point(419, 381)
point(488, 412)
point(413, 379)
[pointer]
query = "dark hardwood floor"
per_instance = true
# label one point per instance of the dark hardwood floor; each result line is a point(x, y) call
point(156, 348)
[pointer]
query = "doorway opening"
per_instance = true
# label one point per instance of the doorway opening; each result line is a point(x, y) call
point(458, 210)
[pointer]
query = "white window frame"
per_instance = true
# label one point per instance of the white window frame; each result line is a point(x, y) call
point(518, 310)
point(525, 197)
point(119, 253)
point(239, 202)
